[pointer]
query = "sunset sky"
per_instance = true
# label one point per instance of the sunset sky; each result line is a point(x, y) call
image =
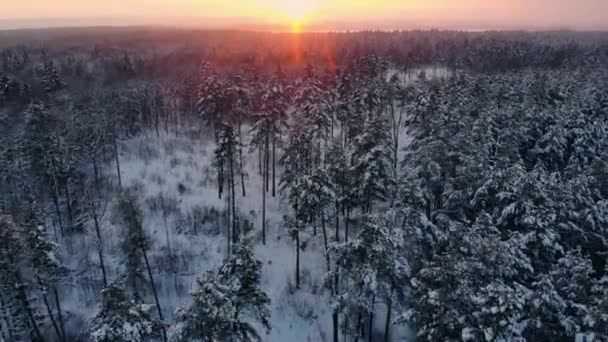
point(318, 14)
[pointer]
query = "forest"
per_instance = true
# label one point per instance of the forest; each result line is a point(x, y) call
point(172, 185)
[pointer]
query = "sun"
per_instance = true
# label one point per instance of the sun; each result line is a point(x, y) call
point(293, 12)
point(297, 10)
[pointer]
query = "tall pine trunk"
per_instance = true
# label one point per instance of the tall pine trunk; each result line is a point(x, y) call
point(55, 197)
point(117, 161)
point(99, 244)
point(220, 178)
point(337, 238)
point(242, 174)
point(267, 166)
point(371, 322)
point(154, 292)
point(49, 311)
point(59, 314)
point(22, 297)
point(264, 203)
point(297, 256)
point(235, 237)
point(68, 201)
point(274, 168)
point(387, 324)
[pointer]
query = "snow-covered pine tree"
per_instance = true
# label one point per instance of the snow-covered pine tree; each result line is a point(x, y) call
point(46, 265)
point(226, 153)
point(51, 80)
point(122, 320)
point(372, 268)
point(136, 246)
point(372, 166)
point(19, 316)
point(226, 302)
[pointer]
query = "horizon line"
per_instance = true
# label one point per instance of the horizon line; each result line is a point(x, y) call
point(252, 24)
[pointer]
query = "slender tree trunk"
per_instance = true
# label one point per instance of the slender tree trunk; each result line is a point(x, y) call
point(153, 286)
point(241, 163)
point(327, 257)
point(387, 324)
point(297, 256)
point(52, 317)
point(96, 173)
point(267, 175)
point(337, 221)
point(274, 167)
point(99, 244)
point(231, 185)
point(69, 204)
point(370, 329)
point(358, 326)
point(55, 196)
point(346, 224)
point(22, 295)
point(59, 314)
point(260, 161)
point(220, 178)
point(117, 160)
point(264, 203)
point(7, 320)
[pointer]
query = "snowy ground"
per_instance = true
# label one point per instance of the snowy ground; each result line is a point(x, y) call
point(179, 169)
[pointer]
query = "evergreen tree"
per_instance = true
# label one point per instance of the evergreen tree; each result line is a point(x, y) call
point(121, 320)
point(136, 246)
point(226, 301)
point(372, 268)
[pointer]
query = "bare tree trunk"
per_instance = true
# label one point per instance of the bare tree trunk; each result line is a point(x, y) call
point(267, 163)
point(297, 256)
point(346, 223)
point(264, 203)
point(260, 161)
point(59, 314)
point(359, 326)
point(325, 241)
point(55, 197)
point(274, 168)
point(69, 204)
point(164, 212)
point(51, 316)
point(117, 160)
point(153, 286)
point(99, 244)
point(220, 178)
point(387, 324)
point(22, 296)
point(370, 329)
point(9, 326)
point(241, 163)
point(96, 174)
point(337, 221)
point(235, 220)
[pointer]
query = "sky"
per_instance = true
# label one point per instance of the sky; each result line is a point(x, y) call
point(317, 14)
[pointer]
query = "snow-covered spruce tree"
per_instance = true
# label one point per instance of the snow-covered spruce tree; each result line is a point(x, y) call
point(136, 246)
point(211, 108)
point(19, 316)
point(372, 166)
point(226, 302)
point(50, 78)
point(269, 122)
point(48, 269)
point(226, 153)
point(122, 320)
point(372, 268)
point(475, 272)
